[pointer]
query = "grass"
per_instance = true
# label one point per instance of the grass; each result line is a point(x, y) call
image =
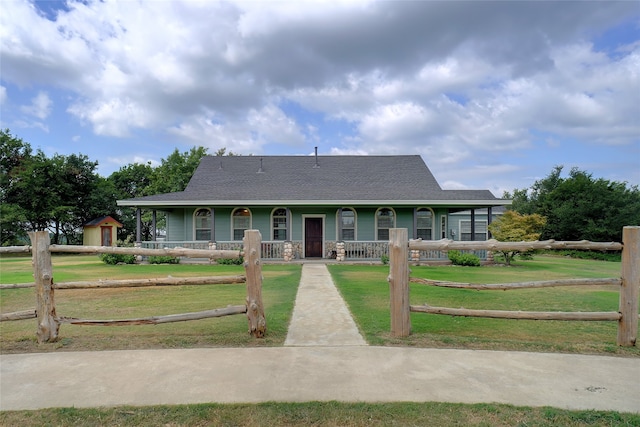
point(320, 414)
point(279, 290)
point(366, 291)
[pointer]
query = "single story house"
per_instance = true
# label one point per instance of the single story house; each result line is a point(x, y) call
point(317, 206)
point(101, 231)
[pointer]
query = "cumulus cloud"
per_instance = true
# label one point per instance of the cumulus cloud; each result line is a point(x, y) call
point(40, 106)
point(457, 82)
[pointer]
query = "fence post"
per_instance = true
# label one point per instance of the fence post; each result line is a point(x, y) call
point(48, 325)
point(630, 289)
point(399, 282)
point(253, 268)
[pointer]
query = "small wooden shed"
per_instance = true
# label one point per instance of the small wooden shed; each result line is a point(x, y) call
point(101, 231)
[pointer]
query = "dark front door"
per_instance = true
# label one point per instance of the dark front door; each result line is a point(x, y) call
point(313, 237)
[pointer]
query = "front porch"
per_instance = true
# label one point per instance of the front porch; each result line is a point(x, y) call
point(294, 250)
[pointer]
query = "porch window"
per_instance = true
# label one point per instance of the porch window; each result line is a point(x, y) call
point(240, 220)
point(202, 224)
point(465, 230)
point(385, 219)
point(424, 224)
point(348, 224)
point(279, 222)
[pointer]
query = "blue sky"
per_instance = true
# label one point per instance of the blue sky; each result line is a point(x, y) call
point(493, 95)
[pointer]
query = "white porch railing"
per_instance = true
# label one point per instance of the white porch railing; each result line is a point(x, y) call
point(354, 250)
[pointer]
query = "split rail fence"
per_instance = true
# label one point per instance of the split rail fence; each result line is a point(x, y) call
point(629, 282)
point(48, 322)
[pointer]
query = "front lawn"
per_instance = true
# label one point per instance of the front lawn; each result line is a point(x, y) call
point(366, 290)
point(279, 291)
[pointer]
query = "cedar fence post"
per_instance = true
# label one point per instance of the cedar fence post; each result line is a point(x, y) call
point(253, 268)
point(399, 282)
point(630, 289)
point(48, 325)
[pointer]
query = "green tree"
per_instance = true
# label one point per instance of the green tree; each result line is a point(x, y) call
point(514, 227)
point(175, 172)
point(580, 207)
point(15, 155)
point(133, 180)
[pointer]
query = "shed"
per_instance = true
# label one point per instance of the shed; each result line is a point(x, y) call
point(101, 231)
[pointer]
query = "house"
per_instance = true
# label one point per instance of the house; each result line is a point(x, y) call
point(101, 231)
point(316, 206)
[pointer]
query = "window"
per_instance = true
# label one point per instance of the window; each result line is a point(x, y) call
point(385, 219)
point(279, 223)
point(202, 224)
point(424, 224)
point(348, 224)
point(465, 230)
point(240, 220)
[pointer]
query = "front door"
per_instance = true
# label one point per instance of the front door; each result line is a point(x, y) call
point(106, 236)
point(313, 237)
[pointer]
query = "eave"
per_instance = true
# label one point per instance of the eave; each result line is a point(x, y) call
point(196, 203)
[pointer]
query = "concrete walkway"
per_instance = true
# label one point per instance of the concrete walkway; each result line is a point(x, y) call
point(333, 364)
point(320, 316)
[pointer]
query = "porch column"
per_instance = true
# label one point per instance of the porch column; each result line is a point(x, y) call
point(339, 236)
point(154, 226)
point(288, 219)
point(489, 222)
point(213, 226)
point(138, 225)
point(415, 223)
point(473, 224)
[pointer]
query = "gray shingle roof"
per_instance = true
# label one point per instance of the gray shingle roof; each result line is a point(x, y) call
point(297, 179)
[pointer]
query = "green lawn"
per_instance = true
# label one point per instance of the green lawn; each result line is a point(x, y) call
point(332, 414)
point(279, 290)
point(366, 291)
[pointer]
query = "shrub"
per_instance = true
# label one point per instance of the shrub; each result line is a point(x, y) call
point(385, 259)
point(231, 261)
point(163, 259)
point(113, 259)
point(458, 258)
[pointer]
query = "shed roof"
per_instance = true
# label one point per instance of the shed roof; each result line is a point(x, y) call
point(102, 220)
point(303, 180)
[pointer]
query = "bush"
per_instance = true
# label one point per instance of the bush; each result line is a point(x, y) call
point(231, 261)
point(113, 259)
point(163, 259)
point(613, 256)
point(385, 259)
point(458, 258)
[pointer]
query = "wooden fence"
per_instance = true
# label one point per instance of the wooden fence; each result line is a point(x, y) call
point(629, 282)
point(48, 322)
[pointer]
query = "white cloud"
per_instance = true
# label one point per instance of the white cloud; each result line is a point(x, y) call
point(3, 95)
point(40, 106)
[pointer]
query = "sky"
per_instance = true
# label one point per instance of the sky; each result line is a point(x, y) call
point(492, 94)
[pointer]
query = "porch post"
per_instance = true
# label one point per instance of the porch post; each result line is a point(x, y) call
point(154, 226)
point(138, 225)
point(489, 222)
point(339, 236)
point(288, 217)
point(415, 223)
point(213, 226)
point(473, 224)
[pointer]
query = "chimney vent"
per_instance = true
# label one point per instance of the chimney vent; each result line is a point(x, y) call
point(260, 170)
point(317, 165)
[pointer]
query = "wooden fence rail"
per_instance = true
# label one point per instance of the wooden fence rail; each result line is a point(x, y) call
point(48, 322)
point(629, 282)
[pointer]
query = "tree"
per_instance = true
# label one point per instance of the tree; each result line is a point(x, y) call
point(580, 207)
point(15, 154)
point(133, 180)
point(175, 172)
point(514, 227)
